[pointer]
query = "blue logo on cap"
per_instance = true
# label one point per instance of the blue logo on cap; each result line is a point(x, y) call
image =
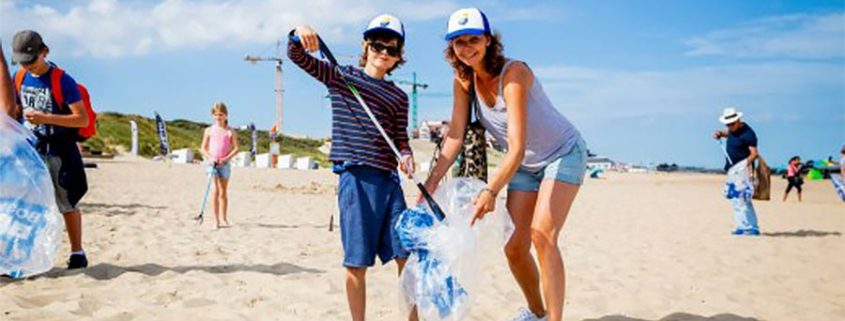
point(384, 22)
point(464, 19)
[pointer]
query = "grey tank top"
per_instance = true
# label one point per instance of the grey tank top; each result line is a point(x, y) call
point(549, 134)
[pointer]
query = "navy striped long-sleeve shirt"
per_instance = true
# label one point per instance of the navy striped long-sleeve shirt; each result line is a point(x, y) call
point(354, 137)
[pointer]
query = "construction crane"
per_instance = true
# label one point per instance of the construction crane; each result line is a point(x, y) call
point(278, 60)
point(414, 107)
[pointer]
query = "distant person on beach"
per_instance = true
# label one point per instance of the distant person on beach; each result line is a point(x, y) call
point(56, 128)
point(370, 198)
point(741, 149)
point(545, 158)
point(793, 177)
point(220, 145)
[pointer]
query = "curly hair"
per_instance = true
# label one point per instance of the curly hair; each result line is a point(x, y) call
point(382, 37)
point(494, 58)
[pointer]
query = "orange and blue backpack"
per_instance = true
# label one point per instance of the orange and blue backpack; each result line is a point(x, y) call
point(56, 88)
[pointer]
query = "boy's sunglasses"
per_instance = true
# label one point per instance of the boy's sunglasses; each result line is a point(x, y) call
point(390, 50)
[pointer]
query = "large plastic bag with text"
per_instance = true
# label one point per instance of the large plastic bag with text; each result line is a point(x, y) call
point(441, 276)
point(30, 226)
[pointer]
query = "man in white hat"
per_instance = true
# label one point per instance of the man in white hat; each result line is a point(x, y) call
point(740, 153)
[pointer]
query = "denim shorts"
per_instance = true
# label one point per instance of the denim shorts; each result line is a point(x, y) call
point(568, 168)
point(370, 202)
point(223, 171)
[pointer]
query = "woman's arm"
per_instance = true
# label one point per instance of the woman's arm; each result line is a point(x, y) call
point(454, 138)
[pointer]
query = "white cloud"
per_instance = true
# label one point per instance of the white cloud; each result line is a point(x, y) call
point(111, 28)
point(802, 36)
point(587, 93)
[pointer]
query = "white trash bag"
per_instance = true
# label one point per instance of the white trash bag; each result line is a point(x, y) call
point(30, 227)
point(441, 275)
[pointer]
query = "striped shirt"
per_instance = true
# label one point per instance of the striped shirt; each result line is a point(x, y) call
point(354, 137)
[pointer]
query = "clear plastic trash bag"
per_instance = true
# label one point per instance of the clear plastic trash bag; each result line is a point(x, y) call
point(441, 275)
point(739, 184)
point(30, 227)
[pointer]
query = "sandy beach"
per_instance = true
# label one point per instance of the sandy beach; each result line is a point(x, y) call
point(638, 247)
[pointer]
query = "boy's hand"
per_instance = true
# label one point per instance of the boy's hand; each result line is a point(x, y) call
point(308, 38)
point(35, 117)
point(717, 134)
point(407, 165)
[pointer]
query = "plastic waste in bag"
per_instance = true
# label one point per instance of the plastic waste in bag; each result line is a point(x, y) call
point(441, 274)
point(30, 227)
point(739, 184)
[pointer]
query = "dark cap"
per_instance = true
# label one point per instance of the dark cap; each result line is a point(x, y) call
point(25, 46)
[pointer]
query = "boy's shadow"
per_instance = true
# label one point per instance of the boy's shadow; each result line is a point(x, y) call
point(110, 210)
point(108, 271)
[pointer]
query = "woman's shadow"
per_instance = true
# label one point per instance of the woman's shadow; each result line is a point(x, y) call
point(680, 316)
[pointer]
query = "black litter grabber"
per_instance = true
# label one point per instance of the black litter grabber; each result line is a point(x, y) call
point(435, 208)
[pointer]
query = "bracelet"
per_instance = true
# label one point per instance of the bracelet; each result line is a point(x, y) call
point(488, 189)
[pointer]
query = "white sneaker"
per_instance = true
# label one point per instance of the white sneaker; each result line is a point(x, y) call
point(527, 315)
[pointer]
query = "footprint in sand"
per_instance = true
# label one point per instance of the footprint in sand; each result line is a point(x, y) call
point(87, 307)
point(38, 301)
point(197, 302)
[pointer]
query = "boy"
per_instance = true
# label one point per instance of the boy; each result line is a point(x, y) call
point(56, 129)
point(370, 197)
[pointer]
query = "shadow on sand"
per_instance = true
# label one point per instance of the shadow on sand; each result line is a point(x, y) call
point(107, 271)
point(680, 316)
point(110, 210)
point(802, 233)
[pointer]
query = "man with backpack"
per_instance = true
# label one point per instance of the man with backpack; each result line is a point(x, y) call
point(51, 105)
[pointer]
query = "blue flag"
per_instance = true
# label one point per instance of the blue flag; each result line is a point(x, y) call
point(162, 135)
point(254, 134)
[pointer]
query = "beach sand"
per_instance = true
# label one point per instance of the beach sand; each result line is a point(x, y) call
point(638, 247)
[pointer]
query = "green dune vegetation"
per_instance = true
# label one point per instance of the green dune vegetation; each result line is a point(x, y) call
point(114, 136)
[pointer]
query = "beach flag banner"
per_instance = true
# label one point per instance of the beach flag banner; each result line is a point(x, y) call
point(134, 126)
point(254, 135)
point(30, 224)
point(162, 135)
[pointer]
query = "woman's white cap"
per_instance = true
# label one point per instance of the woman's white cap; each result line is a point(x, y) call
point(467, 21)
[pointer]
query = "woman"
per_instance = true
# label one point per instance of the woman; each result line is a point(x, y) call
point(544, 165)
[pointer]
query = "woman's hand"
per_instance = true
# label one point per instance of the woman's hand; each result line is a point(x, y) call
point(484, 203)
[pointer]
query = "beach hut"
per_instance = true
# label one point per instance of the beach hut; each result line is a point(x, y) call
point(286, 161)
point(182, 156)
point(263, 160)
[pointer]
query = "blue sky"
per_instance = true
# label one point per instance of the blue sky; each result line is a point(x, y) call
point(643, 80)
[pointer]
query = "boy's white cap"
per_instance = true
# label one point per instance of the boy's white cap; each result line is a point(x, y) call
point(467, 21)
point(386, 22)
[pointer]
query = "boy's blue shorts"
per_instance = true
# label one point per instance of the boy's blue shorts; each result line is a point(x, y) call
point(370, 201)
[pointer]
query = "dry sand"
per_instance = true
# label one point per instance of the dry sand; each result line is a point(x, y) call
point(638, 247)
